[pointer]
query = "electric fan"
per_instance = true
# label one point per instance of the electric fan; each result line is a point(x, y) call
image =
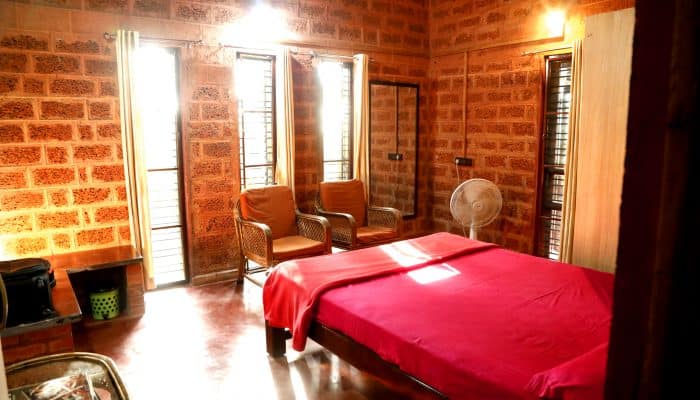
point(475, 203)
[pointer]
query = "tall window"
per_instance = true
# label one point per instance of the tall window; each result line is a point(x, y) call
point(157, 79)
point(256, 118)
point(336, 119)
point(556, 131)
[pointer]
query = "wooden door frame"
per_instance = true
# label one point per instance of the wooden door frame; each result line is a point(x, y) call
point(654, 333)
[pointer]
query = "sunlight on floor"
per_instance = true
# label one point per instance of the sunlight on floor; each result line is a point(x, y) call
point(208, 342)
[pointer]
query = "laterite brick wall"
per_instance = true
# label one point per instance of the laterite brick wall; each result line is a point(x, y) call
point(61, 179)
point(61, 174)
point(307, 97)
point(392, 181)
point(61, 168)
point(210, 142)
point(477, 65)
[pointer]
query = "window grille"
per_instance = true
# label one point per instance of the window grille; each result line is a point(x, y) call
point(256, 118)
point(556, 131)
point(336, 86)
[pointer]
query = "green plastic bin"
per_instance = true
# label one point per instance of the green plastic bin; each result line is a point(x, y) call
point(105, 303)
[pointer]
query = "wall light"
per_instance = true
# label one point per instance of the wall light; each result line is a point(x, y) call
point(554, 21)
point(263, 24)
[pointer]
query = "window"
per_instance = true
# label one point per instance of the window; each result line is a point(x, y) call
point(256, 118)
point(157, 80)
point(336, 119)
point(556, 131)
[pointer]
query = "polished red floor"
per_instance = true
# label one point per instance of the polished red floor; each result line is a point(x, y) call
point(208, 342)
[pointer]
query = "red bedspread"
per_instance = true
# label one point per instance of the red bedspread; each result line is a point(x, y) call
point(292, 290)
point(493, 324)
point(476, 322)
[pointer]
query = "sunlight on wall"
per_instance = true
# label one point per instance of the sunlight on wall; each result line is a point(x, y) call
point(554, 21)
point(263, 25)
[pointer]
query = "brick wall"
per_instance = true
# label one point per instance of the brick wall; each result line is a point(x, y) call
point(307, 142)
point(477, 65)
point(503, 101)
point(61, 168)
point(393, 182)
point(307, 96)
point(61, 180)
point(210, 142)
point(382, 142)
point(24, 346)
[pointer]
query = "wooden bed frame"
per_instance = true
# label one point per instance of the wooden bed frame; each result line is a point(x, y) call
point(356, 354)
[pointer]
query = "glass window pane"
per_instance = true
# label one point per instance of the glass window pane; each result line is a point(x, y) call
point(336, 119)
point(556, 134)
point(255, 90)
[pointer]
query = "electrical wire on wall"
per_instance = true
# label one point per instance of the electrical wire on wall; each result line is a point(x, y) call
point(465, 110)
point(396, 148)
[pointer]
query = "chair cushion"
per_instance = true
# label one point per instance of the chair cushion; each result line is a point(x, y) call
point(273, 206)
point(289, 247)
point(373, 234)
point(345, 197)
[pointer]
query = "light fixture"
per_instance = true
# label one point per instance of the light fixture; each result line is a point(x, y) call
point(554, 21)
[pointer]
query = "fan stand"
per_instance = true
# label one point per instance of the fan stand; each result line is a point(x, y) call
point(472, 233)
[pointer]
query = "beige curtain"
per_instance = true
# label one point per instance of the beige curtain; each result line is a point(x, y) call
point(132, 147)
point(570, 171)
point(605, 77)
point(284, 169)
point(360, 163)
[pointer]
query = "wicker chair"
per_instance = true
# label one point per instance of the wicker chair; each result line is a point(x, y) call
point(356, 224)
point(271, 229)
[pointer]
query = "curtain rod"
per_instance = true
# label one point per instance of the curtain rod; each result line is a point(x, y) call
point(327, 55)
point(529, 53)
point(112, 36)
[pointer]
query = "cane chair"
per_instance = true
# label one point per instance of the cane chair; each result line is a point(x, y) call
point(354, 223)
point(271, 229)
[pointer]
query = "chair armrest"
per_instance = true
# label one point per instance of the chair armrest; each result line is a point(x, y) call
point(385, 216)
point(256, 241)
point(343, 227)
point(315, 227)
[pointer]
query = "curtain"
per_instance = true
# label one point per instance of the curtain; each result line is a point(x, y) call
point(570, 171)
point(132, 148)
point(360, 139)
point(606, 55)
point(284, 168)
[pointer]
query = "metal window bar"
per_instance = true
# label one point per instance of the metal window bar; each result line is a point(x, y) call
point(256, 121)
point(556, 130)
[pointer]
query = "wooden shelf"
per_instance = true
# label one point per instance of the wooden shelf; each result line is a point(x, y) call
point(95, 259)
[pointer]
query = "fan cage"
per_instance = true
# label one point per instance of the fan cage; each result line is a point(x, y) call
point(457, 197)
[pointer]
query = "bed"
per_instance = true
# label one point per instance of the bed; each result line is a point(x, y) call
point(458, 318)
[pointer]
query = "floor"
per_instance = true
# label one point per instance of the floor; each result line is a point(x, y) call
point(208, 342)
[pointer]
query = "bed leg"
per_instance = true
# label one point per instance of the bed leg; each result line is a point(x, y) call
point(276, 340)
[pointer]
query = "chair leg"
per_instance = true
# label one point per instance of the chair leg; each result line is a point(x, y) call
point(242, 269)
